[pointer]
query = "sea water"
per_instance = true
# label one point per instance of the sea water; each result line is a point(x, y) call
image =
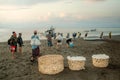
point(5, 33)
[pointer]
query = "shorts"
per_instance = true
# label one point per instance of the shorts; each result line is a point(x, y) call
point(20, 45)
point(35, 52)
point(12, 48)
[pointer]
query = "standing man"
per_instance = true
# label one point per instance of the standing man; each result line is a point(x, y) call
point(35, 43)
point(49, 40)
point(20, 42)
point(110, 35)
point(13, 44)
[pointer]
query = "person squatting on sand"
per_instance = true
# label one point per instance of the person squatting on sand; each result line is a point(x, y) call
point(59, 39)
point(13, 43)
point(69, 42)
point(35, 43)
point(20, 42)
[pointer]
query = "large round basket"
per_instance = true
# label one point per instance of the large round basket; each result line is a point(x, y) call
point(51, 64)
point(76, 62)
point(100, 60)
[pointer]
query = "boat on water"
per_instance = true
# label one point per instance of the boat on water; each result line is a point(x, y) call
point(86, 31)
point(93, 30)
point(93, 38)
point(90, 30)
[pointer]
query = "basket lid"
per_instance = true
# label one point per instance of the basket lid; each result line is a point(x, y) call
point(100, 56)
point(77, 58)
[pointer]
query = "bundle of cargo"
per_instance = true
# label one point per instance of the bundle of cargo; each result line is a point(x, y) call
point(100, 60)
point(76, 62)
point(51, 64)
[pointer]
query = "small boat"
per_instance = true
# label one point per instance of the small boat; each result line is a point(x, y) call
point(86, 31)
point(93, 38)
point(93, 30)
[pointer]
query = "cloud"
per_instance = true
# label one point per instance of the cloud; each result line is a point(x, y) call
point(71, 1)
point(62, 15)
point(24, 2)
point(11, 8)
point(91, 1)
point(94, 0)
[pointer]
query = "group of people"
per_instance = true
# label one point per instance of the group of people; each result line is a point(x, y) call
point(13, 41)
point(86, 34)
point(59, 40)
point(35, 42)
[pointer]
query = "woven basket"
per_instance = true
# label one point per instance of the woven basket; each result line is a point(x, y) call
point(77, 64)
point(100, 61)
point(51, 64)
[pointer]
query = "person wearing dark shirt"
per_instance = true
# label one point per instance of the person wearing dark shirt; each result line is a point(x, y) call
point(49, 40)
point(20, 42)
point(13, 44)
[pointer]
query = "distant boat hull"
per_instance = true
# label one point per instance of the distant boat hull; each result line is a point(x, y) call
point(93, 30)
point(93, 38)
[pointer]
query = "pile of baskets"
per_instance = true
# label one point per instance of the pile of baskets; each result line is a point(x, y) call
point(53, 64)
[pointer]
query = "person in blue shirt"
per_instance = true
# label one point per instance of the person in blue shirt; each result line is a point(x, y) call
point(35, 47)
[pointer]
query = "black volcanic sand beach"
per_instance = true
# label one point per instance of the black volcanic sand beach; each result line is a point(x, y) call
point(21, 68)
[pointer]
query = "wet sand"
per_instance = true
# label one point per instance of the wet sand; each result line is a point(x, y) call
point(21, 68)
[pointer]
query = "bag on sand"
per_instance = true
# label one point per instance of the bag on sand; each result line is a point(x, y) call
point(35, 41)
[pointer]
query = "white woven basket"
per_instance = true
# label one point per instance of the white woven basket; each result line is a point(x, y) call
point(51, 64)
point(76, 62)
point(100, 60)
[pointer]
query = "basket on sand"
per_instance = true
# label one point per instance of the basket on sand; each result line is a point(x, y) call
point(100, 60)
point(76, 62)
point(51, 64)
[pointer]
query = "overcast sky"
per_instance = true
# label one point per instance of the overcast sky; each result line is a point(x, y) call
point(59, 13)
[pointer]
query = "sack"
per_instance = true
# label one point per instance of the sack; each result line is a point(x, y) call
point(35, 41)
point(71, 44)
